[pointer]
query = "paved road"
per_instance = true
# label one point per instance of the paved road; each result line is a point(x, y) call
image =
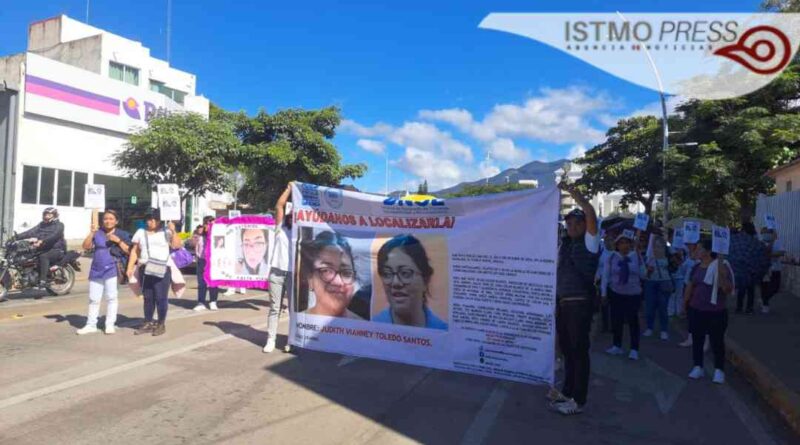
point(207, 381)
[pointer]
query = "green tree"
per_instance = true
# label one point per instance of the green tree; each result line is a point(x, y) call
point(181, 148)
point(630, 160)
point(740, 140)
point(487, 189)
point(291, 145)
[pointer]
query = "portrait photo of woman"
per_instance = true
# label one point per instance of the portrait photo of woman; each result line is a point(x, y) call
point(327, 272)
point(406, 273)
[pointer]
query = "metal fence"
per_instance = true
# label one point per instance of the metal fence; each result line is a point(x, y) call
point(785, 207)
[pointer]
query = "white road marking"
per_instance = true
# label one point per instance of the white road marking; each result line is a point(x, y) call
point(484, 420)
point(21, 398)
point(748, 419)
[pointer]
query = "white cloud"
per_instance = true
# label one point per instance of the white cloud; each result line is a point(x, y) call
point(487, 169)
point(577, 151)
point(424, 164)
point(504, 150)
point(371, 146)
point(428, 137)
point(353, 127)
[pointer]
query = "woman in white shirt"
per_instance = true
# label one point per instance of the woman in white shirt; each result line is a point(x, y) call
point(279, 263)
point(150, 264)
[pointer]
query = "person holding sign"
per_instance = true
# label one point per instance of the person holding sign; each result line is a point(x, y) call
point(772, 282)
point(150, 256)
point(327, 267)
point(705, 297)
point(111, 246)
point(577, 264)
point(622, 285)
point(658, 287)
point(406, 273)
point(200, 240)
point(279, 270)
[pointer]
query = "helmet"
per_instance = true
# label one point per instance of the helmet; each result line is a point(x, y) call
point(52, 211)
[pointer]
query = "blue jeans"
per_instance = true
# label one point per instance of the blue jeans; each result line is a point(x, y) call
point(213, 292)
point(656, 300)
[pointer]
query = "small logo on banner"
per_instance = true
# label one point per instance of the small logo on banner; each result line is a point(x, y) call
point(334, 197)
point(310, 194)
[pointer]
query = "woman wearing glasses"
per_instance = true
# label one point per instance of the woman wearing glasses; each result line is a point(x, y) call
point(327, 267)
point(254, 251)
point(406, 274)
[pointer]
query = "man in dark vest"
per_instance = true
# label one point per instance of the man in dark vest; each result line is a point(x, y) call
point(577, 265)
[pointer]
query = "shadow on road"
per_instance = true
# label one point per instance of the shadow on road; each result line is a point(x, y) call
point(76, 321)
point(247, 333)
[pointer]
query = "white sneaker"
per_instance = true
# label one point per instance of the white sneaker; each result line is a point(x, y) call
point(765, 309)
point(686, 343)
point(110, 330)
point(697, 373)
point(270, 346)
point(213, 306)
point(719, 377)
point(87, 330)
point(200, 307)
point(568, 407)
point(664, 335)
point(615, 350)
point(229, 292)
point(648, 333)
point(634, 355)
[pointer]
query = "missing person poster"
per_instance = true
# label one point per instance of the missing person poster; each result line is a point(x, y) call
point(94, 196)
point(169, 202)
point(239, 252)
point(463, 284)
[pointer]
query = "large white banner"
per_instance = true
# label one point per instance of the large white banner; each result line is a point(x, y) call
point(463, 284)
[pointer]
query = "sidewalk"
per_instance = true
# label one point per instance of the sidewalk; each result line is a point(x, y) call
point(766, 349)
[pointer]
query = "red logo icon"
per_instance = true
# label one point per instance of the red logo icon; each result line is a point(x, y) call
point(762, 49)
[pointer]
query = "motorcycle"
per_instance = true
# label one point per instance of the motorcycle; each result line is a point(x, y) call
point(19, 269)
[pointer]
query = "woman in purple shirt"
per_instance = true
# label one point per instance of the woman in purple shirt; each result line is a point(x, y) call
point(110, 245)
point(705, 296)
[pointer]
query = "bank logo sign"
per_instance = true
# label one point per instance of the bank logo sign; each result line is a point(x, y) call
point(702, 56)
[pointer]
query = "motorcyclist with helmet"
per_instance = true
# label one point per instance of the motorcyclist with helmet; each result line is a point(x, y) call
point(48, 240)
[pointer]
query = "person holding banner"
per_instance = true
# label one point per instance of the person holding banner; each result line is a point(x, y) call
point(110, 245)
point(772, 282)
point(621, 284)
point(575, 291)
point(200, 240)
point(279, 270)
point(658, 287)
point(327, 267)
point(406, 273)
point(705, 297)
point(151, 265)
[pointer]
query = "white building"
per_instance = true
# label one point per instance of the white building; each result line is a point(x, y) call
point(66, 106)
point(604, 203)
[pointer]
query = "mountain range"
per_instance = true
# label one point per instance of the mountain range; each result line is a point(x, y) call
point(540, 171)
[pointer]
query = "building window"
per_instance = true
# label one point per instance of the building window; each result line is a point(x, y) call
point(159, 87)
point(81, 179)
point(30, 184)
point(47, 185)
point(788, 186)
point(124, 73)
point(64, 192)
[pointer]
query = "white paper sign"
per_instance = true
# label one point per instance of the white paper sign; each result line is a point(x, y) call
point(677, 239)
point(691, 232)
point(721, 241)
point(642, 219)
point(94, 196)
point(169, 202)
point(769, 221)
point(630, 234)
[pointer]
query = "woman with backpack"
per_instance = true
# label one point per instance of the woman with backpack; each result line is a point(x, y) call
point(111, 246)
point(151, 265)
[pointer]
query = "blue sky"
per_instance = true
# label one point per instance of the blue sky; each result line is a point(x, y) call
point(416, 80)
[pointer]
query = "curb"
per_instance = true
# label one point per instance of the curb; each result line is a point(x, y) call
point(772, 390)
